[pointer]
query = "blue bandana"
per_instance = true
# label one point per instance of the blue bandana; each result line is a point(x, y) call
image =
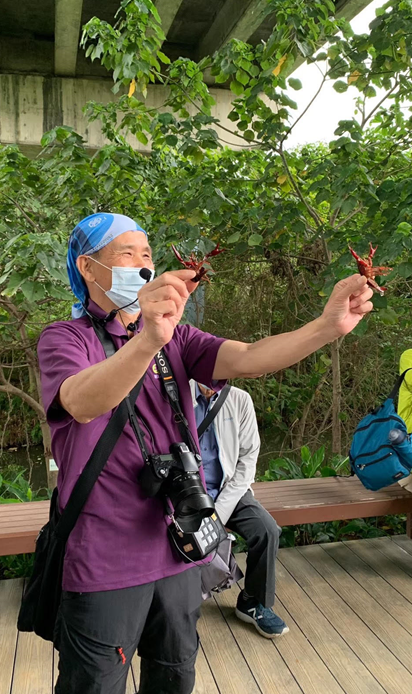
point(91, 235)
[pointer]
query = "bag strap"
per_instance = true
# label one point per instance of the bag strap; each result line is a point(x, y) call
point(395, 390)
point(100, 453)
point(214, 411)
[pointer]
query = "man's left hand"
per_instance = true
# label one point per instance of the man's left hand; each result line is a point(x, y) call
point(348, 303)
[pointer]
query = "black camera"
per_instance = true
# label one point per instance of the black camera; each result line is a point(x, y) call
point(177, 476)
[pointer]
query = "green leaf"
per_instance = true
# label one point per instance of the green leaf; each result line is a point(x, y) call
point(354, 526)
point(340, 86)
point(233, 116)
point(318, 456)
point(328, 471)
point(221, 78)
point(163, 58)
point(171, 140)
point(249, 135)
point(361, 328)
point(59, 292)
point(380, 301)
point(388, 316)
point(142, 138)
point(404, 228)
point(197, 155)
point(255, 240)
point(242, 77)
point(33, 291)
point(404, 270)
point(236, 87)
point(15, 280)
point(305, 454)
point(295, 83)
point(234, 238)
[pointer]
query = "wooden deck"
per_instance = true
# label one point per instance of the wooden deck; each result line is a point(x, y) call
point(348, 606)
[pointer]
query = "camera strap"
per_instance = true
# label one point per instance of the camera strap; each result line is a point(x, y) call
point(171, 388)
point(172, 391)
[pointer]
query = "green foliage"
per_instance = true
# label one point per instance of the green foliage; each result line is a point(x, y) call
point(16, 489)
point(131, 48)
point(357, 529)
point(310, 465)
point(16, 566)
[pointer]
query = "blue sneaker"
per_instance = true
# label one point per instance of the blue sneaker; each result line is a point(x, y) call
point(265, 621)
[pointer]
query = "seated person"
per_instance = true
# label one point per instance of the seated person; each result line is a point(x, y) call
point(230, 448)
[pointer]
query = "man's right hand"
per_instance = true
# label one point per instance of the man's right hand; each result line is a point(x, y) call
point(162, 303)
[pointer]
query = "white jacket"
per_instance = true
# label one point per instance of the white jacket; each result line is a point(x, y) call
point(238, 440)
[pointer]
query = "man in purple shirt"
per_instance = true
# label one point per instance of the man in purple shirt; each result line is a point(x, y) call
point(123, 585)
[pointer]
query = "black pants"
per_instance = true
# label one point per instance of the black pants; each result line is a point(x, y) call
point(261, 533)
point(98, 634)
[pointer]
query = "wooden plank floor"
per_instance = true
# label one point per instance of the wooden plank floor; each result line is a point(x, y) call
point(348, 606)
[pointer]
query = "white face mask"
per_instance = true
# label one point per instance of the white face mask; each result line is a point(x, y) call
point(126, 283)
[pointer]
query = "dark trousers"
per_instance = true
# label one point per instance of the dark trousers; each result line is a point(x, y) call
point(98, 633)
point(261, 534)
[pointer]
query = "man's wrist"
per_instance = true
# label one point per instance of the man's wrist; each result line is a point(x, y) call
point(147, 346)
point(326, 331)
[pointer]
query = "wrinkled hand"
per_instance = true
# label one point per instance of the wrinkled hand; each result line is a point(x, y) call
point(162, 303)
point(348, 303)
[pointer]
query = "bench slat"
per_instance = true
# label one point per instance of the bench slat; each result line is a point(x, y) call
point(320, 499)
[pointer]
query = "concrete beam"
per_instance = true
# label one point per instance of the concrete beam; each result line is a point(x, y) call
point(32, 104)
point(167, 10)
point(350, 8)
point(237, 19)
point(66, 35)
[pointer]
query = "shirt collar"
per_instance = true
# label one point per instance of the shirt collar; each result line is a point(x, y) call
point(114, 327)
point(199, 394)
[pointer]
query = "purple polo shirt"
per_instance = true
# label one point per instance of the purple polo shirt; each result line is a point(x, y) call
point(120, 539)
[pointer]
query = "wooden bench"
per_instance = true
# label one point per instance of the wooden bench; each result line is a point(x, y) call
point(291, 502)
point(318, 499)
point(20, 525)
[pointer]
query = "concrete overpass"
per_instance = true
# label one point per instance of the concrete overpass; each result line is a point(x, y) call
point(45, 80)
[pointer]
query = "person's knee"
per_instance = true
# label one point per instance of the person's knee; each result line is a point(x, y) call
point(266, 534)
point(272, 531)
point(168, 678)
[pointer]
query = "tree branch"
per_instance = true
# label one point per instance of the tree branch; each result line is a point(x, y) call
point(7, 387)
point(25, 215)
point(348, 217)
point(297, 190)
point(304, 112)
point(12, 390)
point(369, 116)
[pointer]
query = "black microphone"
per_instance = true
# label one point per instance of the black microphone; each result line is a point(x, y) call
point(110, 316)
point(145, 274)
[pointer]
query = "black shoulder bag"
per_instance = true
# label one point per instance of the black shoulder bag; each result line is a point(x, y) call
point(41, 599)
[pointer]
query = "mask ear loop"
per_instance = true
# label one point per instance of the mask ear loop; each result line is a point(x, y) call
point(98, 261)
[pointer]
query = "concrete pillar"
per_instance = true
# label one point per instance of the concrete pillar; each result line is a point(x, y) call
point(66, 35)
